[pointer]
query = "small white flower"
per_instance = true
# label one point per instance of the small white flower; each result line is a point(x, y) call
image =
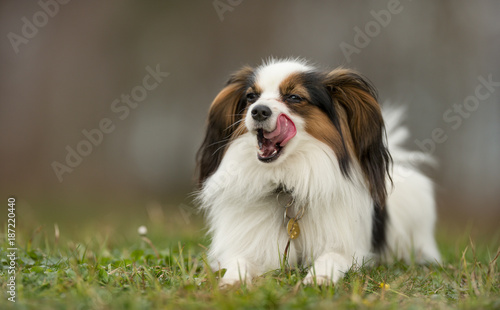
point(142, 230)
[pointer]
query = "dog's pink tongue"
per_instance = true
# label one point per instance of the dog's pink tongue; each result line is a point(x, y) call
point(285, 130)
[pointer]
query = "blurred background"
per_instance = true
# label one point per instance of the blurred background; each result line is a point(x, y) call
point(68, 66)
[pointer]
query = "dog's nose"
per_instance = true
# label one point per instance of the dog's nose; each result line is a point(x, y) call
point(261, 113)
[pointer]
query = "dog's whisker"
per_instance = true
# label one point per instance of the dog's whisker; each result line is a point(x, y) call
point(234, 124)
point(237, 132)
point(218, 142)
point(218, 149)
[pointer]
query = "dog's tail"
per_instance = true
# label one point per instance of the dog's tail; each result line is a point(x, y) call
point(398, 135)
point(411, 203)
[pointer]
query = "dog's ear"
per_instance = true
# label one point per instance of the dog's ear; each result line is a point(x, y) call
point(358, 98)
point(226, 110)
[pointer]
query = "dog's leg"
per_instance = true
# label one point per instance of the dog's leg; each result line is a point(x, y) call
point(237, 271)
point(412, 216)
point(328, 268)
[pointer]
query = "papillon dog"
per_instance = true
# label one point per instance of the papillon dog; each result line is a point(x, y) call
point(296, 168)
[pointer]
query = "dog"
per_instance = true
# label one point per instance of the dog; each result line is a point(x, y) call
point(295, 167)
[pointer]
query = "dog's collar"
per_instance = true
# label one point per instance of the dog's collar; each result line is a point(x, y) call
point(282, 189)
point(286, 200)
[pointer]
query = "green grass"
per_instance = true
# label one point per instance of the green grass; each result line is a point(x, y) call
point(114, 268)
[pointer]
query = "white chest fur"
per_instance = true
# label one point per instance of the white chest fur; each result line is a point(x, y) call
point(246, 221)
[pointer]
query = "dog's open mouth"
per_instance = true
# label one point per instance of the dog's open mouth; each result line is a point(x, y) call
point(272, 143)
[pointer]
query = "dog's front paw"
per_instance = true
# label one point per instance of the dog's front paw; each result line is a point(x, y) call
point(229, 282)
point(327, 270)
point(237, 272)
point(317, 280)
point(226, 283)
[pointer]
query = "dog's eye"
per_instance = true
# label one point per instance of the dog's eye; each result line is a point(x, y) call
point(252, 97)
point(293, 98)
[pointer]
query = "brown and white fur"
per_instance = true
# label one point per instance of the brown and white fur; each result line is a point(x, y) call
point(332, 156)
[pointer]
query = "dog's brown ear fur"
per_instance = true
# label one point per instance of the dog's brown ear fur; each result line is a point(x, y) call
point(226, 109)
point(358, 98)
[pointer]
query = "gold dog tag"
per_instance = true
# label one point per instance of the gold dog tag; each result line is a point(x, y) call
point(293, 229)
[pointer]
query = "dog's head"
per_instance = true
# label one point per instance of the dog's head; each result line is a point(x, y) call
point(281, 103)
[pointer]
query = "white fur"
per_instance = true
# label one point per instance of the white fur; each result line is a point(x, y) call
point(246, 222)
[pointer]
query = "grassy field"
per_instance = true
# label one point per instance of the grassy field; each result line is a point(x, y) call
point(113, 267)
